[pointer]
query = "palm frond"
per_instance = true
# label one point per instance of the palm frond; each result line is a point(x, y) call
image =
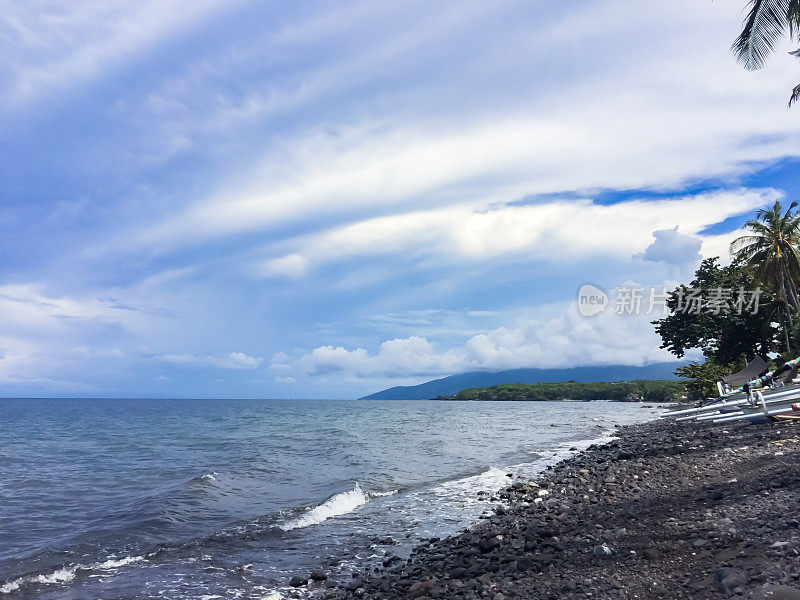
point(793, 17)
point(795, 94)
point(765, 24)
point(758, 227)
point(747, 240)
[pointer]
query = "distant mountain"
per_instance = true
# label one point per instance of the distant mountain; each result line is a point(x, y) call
point(455, 383)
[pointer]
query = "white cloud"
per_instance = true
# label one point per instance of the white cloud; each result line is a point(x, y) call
point(673, 248)
point(55, 343)
point(291, 265)
point(280, 361)
point(29, 306)
point(719, 245)
point(559, 337)
point(33, 367)
point(617, 127)
point(351, 171)
point(558, 231)
point(234, 360)
point(14, 356)
point(395, 358)
point(98, 352)
point(51, 45)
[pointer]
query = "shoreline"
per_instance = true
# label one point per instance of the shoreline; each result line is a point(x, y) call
point(667, 510)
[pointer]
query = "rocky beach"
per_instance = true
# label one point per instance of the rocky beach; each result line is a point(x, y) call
point(667, 510)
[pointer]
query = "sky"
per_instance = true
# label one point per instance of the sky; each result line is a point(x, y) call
point(323, 199)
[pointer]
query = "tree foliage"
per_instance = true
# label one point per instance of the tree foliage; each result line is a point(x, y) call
point(724, 333)
point(771, 250)
point(649, 390)
point(700, 378)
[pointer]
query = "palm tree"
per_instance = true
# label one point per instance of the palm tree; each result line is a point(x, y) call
point(772, 251)
point(777, 311)
point(766, 23)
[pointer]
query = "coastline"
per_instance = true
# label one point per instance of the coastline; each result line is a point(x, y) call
point(667, 510)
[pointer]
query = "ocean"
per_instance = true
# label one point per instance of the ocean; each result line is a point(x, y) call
point(208, 499)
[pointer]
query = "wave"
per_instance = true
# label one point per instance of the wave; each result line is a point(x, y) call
point(67, 574)
point(491, 479)
point(338, 504)
point(205, 478)
point(117, 563)
point(60, 576)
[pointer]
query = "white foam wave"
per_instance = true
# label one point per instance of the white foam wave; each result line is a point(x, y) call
point(60, 576)
point(117, 563)
point(67, 574)
point(338, 504)
point(382, 494)
point(205, 478)
point(9, 587)
point(491, 480)
point(561, 452)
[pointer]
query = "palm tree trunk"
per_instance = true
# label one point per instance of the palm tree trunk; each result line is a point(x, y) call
point(789, 288)
point(786, 321)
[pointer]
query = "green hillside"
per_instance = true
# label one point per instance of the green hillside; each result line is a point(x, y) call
point(659, 390)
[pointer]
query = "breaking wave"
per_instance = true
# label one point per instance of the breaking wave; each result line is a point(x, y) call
point(67, 574)
point(338, 504)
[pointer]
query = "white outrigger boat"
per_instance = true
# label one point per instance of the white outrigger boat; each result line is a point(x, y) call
point(758, 399)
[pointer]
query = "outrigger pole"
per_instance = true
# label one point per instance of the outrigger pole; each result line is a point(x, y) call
point(763, 413)
point(771, 397)
point(773, 404)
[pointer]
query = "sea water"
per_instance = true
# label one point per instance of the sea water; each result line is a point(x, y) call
point(230, 498)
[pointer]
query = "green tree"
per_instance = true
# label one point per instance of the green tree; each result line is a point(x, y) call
point(640, 389)
point(766, 23)
point(700, 379)
point(724, 330)
point(771, 249)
